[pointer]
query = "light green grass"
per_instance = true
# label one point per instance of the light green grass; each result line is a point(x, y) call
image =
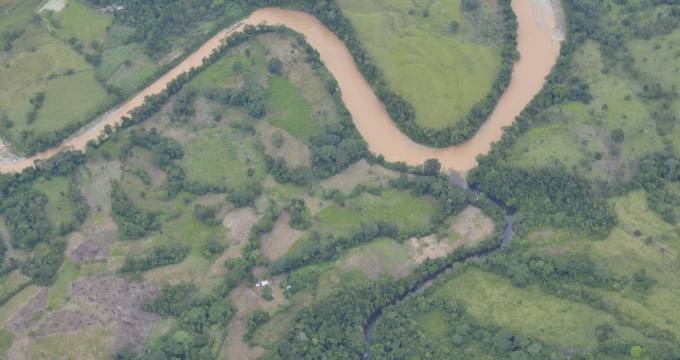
point(27, 72)
point(6, 339)
point(17, 13)
point(655, 250)
point(59, 207)
point(380, 257)
point(95, 343)
point(59, 292)
point(440, 73)
point(82, 22)
point(577, 132)
point(394, 206)
point(289, 110)
point(221, 73)
point(658, 58)
point(222, 157)
point(494, 301)
point(71, 99)
point(11, 283)
point(16, 303)
point(128, 78)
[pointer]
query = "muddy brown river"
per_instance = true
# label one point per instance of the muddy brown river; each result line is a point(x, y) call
point(539, 38)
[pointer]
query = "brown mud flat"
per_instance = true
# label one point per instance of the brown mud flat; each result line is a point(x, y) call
point(539, 38)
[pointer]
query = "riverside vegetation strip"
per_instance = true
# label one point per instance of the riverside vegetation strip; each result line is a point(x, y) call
point(535, 42)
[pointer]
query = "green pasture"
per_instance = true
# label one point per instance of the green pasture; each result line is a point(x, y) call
point(441, 73)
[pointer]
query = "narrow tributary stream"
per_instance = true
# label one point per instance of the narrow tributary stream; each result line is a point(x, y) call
point(422, 284)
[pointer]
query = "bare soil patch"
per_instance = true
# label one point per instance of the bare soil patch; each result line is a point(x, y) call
point(276, 243)
point(246, 300)
point(110, 302)
point(430, 247)
point(238, 223)
point(93, 242)
point(358, 173)
point(472, 225)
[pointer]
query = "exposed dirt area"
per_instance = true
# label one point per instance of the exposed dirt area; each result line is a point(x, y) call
point(276, 243)
point(20, 321)
point(19, 345)
point(238, 224)
point(358, 173)
point(107, 301)
point(430, 247)
point(234, 347)
point(472, 225)
point(68, 321)
point(293, 150)
point(93, 242)
point(246, 300)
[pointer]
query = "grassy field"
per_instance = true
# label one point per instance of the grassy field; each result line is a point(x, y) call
point(441, 73)
point(293, 113)
point(394, 206)
point(6, 338)
point(222, 157)
point(493, 300)
point(93, 344)
point(41, 60)
point(10, 308)
point(658, 58)
point(60, 207)
point(578, 135)
point(11, 282)
point(641, 241)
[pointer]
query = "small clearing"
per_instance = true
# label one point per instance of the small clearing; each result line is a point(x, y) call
point(53, 5)
point(238, 224)
point(472, 225)
point(110, 302)
point(246, 300)
point(93, 242)
point(293, 150)
point(430, 247)
point(358, 173)
point(97, 177)
point(276, 243)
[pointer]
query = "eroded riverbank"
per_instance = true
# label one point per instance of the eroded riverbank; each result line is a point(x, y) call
point(539, 38)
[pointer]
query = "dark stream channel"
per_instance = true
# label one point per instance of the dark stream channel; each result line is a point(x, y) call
point(422, 284)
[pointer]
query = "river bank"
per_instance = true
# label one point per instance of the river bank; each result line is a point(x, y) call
point(539, 38)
